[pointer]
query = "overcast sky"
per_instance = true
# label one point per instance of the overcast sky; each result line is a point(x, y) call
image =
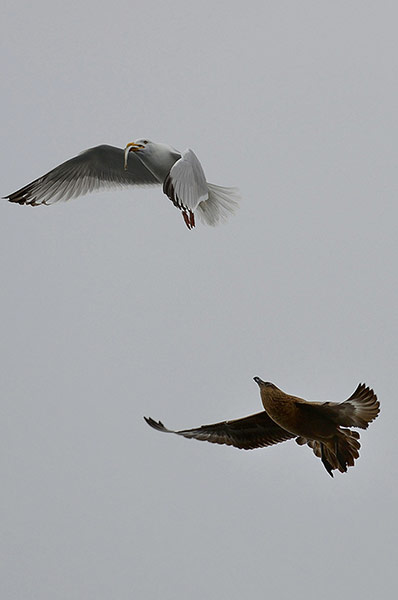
point(111, 309)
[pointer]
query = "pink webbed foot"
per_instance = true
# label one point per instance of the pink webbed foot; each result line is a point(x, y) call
point(189, 219)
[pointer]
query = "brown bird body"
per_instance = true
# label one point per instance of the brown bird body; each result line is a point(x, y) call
point(292, 413)
point(323, 426)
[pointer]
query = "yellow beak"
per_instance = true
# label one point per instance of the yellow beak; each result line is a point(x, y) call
point(132, 147)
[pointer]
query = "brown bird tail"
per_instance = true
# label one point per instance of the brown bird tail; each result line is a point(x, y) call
point(339, 453)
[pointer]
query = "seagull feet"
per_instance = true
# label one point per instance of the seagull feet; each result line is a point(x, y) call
point(189, 219)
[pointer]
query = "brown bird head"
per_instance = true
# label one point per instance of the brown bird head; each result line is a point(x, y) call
point(269, 391)
point(265, 384)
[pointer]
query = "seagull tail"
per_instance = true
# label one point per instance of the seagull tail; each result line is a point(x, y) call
point(221, 203)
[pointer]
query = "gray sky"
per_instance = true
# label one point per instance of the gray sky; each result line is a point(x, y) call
point(111, 309)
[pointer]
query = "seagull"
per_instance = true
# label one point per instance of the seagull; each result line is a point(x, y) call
point(323, 426)
point(141, 163)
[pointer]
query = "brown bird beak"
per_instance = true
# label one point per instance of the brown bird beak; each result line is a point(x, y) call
point(258, 380)
point(132, 147)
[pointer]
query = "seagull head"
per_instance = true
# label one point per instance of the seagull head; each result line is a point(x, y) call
point(138, 146)
point(158, 158)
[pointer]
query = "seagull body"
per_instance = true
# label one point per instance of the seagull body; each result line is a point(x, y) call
point(323, 426)
point(141, 163)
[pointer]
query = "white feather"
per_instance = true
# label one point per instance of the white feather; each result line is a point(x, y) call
point(221, 204)
point(189, 181)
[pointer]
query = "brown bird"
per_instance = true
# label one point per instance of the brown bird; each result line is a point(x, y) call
point(323, 426)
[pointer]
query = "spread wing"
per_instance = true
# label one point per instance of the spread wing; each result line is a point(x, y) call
point(185, 184)
point(99, 167)
point(255, 431)
point(358, 411)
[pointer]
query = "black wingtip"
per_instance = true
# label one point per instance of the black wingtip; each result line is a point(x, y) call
point(158, 425)
point(15, 198)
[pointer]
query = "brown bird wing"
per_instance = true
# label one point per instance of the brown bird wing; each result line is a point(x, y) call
point(358, 411)
point(255, 431)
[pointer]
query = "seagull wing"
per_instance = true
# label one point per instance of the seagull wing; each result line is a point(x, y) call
point(255, 431)
point(358, 411)
point(185, 184)
point(99, 167)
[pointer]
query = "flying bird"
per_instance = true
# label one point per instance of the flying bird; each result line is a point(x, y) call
point(323, 426)
point(141, 163)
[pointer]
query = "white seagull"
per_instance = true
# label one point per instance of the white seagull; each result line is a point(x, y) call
point(141, 163)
